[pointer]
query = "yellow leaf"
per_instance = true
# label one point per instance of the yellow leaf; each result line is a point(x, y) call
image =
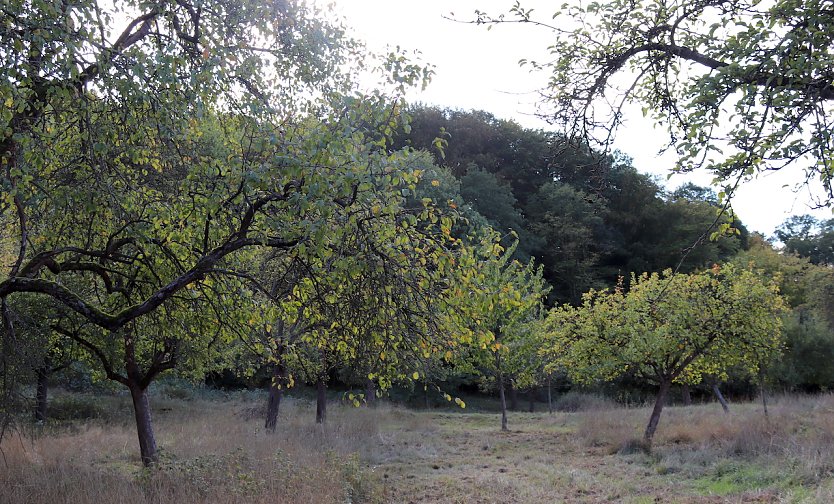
point(416, 375)
point(435, 183)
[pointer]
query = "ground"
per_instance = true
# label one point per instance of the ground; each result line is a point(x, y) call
point(464, 458)
point(215, 450)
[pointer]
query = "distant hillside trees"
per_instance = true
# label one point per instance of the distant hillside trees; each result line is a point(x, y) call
point(808, 237)
point(586, 217)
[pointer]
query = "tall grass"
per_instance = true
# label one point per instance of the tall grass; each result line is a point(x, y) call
point(214, 449)
point(211, 451)
point(796, 436)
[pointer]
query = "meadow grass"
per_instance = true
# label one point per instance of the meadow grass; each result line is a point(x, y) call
point(214, 449)
point(211, 451)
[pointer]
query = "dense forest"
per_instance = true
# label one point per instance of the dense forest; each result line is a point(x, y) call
point(586, 217)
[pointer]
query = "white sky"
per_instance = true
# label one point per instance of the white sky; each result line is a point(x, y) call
point(478, 68)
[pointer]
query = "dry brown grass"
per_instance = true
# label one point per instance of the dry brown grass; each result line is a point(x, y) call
point(799, 429)
point(793, 444)
point(793, 421)
point(209, 453)
point(216, 451)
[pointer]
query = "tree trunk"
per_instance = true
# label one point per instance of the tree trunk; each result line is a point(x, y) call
point(659, 402)
point(720, 398)
point(426, 395)
point(549, 395)
point(276, 393)
point(513, 396)
point(41, 394)
point(370, 393)
point(532, 400)
point(144, 427)
point(764, 393)
point(686, 395)
point(321, 400)
point(503, 402)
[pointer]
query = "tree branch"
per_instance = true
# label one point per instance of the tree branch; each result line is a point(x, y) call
point(125, 40)
point(108, 368)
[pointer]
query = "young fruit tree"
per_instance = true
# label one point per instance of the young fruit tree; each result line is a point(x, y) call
point(669, 328)
point(368, 299)
point(498, 302)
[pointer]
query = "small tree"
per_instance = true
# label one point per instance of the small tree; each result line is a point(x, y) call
point(367, 297)
point(669, 328)
point(499, 301)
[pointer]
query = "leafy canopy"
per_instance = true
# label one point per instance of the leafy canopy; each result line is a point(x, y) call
point(742, 86)
point(670, 327)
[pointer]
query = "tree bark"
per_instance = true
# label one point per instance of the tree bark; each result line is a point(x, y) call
point(549, 395)
point(276, 393)
point(763, 391)
point(513, 396)
point(144, 427)
point(659, 402)
point(686, 395)
point(370, 393)
point(720, 398)
point(41, 393)
point(321, 400)
point(503, 401)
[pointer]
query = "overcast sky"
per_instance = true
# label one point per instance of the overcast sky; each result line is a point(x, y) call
point(478, 68)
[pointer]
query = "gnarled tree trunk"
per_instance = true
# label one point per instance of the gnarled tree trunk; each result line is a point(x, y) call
point(144, 427)
point(370, 393)
point(276, 393)
point(659, 402)
point(720, 397)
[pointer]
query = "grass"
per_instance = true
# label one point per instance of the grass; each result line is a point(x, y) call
point(213, 449)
